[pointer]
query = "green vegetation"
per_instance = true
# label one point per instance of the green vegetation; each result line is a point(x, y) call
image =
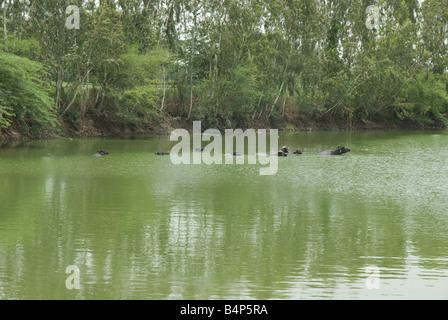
point(25, 95)
point(229, 63)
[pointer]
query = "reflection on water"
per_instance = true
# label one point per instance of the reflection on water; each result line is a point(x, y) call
point(139, 227)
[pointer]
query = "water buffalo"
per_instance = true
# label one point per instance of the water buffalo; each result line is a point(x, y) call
point(234, 154)
point(339, 151)
point(283, 152)
point(100, 153)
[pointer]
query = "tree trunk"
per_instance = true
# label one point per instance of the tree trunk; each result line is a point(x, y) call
point(81, 96)
point(88, 90)
point(284, 101)
point(275, 101)
point(164, 86)
point(5, 11)
point(191, 67)
point(78, 90)
point(60, 56)
point(86, 97)
point(59, 86)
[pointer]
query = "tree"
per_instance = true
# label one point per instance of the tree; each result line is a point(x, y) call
point(236, 62)
point(25, 95)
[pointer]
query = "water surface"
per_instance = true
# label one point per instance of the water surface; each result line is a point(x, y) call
point(140, 227)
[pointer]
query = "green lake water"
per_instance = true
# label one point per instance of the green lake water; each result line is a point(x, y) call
point(139, 227)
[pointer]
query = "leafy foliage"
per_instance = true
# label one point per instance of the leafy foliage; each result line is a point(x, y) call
point(227, 63)
point(25, 94)
point(136, 88)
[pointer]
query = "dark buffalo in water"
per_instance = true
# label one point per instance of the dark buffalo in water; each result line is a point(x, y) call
point(100, 153)
point(339, 151)
point(283, 152)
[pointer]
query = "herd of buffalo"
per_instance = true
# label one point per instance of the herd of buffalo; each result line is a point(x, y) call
point(283, 152)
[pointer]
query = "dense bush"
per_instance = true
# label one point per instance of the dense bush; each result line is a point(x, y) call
point(25, 94)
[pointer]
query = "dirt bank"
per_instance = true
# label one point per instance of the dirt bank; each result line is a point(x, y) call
point(291, 122)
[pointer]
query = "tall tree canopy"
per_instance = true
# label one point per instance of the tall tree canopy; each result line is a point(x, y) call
point(226, 62)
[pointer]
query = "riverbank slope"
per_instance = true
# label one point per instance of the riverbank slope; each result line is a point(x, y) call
point(292, 121)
